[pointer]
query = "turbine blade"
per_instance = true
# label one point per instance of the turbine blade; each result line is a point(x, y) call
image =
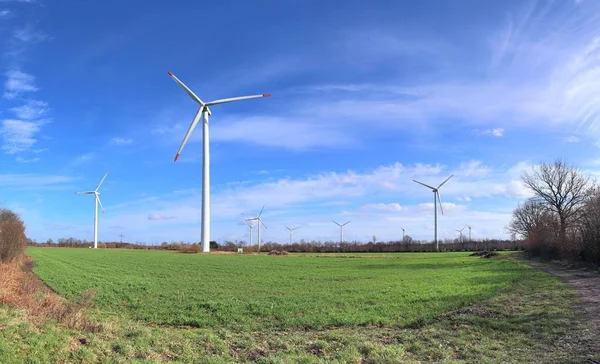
point(84, 193)
point(424, 184)
point(346, 223)
point(263, 224)
point(261, 211)
point(100, 184)
point(100, 202)
point(288, 228)
point(186, 89)
point(336, 223)
point(232, 99)
point(440, 201)
point(441, 184)
point(189, 132)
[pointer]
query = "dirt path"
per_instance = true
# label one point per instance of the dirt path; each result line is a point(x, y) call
point(587, 286)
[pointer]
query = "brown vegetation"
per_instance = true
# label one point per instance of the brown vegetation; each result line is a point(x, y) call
point(562, 220)
point(21, 288)
point(12, 236)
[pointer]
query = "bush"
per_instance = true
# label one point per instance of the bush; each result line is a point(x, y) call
point(12, 236)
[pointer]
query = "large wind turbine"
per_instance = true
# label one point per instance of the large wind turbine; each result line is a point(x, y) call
point(341, 231)
point(250, 226)
point(204, 112)
point(436, 198)
point(258, 223)
point(96, 202)
point(291, 233)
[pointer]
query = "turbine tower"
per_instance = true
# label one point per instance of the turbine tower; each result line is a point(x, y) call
point(258, 223)
point(96, 202)
point(204, 112)
point(250, 226)
point(291, 233)
point(436, 198)
point(469, 226)
point(342, 231)
point(460, 233)
point(403, 234)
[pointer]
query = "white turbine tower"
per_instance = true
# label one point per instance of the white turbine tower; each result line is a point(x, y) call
point(469, 226)
point(96, 202)
point(403, 234)
point(341, 231)
point(204, 112)
point(258, 223)
point(291, 233)
point(436, 198)
point(460, 233)
point(250, 226)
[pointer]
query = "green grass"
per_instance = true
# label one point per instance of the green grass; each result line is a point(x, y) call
point(242, 292)
point(384, 308)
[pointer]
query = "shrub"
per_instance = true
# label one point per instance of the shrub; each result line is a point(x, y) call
point(12, 236)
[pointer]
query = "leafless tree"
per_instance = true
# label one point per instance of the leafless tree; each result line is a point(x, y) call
point(526, 217)
point(562, 188)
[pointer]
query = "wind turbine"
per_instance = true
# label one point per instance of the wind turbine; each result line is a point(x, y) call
point(469, 226)
point(460, 233)
point(96, 202)
point(204, 112)
point(403, 234)
point(291, 232)
point(250, 226)
point(342, 231)
point(258, 222)
point(436, 198)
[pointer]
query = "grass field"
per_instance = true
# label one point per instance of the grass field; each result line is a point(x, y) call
point(160, 305)
point(259, 292)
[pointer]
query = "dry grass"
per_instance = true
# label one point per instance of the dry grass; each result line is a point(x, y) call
point(21, 288)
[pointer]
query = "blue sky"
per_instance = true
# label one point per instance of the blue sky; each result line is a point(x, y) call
point(366, 97)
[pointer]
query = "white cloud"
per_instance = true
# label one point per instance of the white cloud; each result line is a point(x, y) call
point(84, 158)
point(120, 141)
point(21, 180)
point(28, 35)
point(32, 109)
point(157, 216)
point(572, 139)
point(25, 160)
point(5, 14)
point(383, 206)
point(497, 132)
point(18, 82)
point(19, 135)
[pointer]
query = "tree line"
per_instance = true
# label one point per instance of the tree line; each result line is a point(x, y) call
point(562, 219)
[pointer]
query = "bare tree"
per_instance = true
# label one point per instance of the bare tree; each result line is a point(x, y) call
point(562, 188)
point(526, 217)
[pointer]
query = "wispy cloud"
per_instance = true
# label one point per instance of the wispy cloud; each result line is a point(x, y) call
point(84, 158)
point(32, 109)
point(158, 216)
point(19, 135)
point(121, 141)
point(5, 14)
point(572, 139)
point(383, 207)
point(27, 160)
point(18, 82)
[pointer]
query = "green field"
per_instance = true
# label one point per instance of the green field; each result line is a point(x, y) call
point(374, 308)
point(263, 292)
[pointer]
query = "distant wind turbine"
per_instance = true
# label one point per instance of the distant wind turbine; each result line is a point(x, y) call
point(250, 226)
point(460, 233)
point(469, 226)
point(291, 232)
point(342, 231)
point(258, 223)
point(204, 111)
point(96, 202)
point(436, 198)
point(403, 234)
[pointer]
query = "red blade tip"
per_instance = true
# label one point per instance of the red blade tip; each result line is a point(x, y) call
point(266, 95)
point(170, 73)
point(177, 156)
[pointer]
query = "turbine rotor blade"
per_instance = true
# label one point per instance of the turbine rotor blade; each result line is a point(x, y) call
point(100, 202)
point(263, 224)
point(346, 223)
point(187, 89)
point(440, 201)
point(189, 132)
point(336, 223)
point(433, 188)
point(100, 184)
point(232, 99)
point(445, 181)
point(85, 193)
point(261, 211)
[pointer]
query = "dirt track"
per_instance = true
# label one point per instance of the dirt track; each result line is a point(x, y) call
point(586, 342)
